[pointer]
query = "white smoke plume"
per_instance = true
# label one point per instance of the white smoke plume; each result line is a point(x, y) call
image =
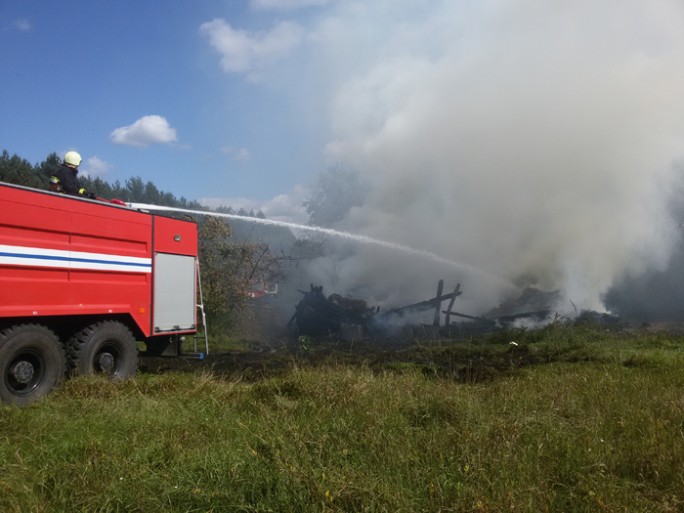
point(533, 140)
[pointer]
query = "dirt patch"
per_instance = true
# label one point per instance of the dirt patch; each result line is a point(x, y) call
point(459, 361)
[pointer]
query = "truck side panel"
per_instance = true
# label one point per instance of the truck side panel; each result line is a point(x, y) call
point(174, 236)
point(62, 255)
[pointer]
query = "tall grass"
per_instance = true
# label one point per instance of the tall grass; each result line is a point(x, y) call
point(602, 431)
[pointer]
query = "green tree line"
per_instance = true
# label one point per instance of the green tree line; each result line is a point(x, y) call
point(19, 171)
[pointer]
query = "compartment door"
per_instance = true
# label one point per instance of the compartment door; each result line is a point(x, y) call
point(175, 292)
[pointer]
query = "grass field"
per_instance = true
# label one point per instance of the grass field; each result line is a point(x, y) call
point(569, 419)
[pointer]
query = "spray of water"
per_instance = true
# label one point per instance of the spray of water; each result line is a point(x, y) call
point(327, 231)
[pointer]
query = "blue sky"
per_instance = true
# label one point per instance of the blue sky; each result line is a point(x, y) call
point(138, 89)
point(541, 142)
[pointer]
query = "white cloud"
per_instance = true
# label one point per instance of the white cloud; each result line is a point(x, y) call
point(238, 154)
point(288, 207)
point(23, 25)
point(246, 52)
point(285, 5)
point(96, 167)
point(147, 130)
point(284, 207)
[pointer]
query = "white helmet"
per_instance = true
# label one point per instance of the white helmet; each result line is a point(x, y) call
point(72, 158)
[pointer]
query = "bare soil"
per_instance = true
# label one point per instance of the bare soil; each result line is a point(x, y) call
point(460, 361)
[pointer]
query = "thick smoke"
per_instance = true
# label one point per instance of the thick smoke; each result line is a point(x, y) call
point(532, 140)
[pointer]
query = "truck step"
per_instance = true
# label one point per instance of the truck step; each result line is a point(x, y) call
point(193, 356)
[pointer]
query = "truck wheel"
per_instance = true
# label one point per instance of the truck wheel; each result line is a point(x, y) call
point(31, 361)
point(104, 348)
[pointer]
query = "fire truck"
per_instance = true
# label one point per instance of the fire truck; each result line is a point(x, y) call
point(87, 286)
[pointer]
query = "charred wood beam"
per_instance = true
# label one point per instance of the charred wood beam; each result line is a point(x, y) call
point(440, 289)
point(472, 317)
point(423, 305)
point(456, 293)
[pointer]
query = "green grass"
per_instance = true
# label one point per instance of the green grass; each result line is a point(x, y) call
point(569, 420)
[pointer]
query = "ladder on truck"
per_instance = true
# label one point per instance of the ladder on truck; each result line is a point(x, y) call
point(202, 328)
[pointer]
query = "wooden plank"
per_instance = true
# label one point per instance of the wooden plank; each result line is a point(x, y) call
point(457, 292)
point(438, 305)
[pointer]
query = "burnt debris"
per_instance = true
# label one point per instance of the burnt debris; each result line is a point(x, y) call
point(317, 315)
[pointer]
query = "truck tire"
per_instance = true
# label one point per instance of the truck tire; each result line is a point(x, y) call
point(32, 363)
point(107, 348)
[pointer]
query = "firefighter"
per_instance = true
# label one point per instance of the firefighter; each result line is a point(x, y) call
point(65, 180)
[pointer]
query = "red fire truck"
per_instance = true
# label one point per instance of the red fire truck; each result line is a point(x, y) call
point(82, 282)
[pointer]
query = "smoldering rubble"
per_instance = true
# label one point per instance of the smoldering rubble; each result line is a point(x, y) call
point(319, 315)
